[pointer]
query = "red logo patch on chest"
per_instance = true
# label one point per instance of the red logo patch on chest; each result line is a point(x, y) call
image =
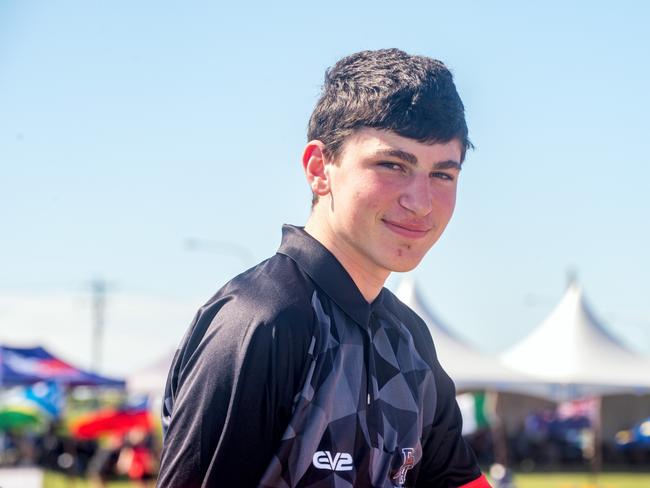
point(408, 463)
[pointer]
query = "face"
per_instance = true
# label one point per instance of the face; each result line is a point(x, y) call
point(388, 199)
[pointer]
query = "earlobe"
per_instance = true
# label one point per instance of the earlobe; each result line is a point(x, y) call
point(314, 164)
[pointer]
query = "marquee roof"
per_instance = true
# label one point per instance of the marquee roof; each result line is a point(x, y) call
point(28, 365)
point(572, 347)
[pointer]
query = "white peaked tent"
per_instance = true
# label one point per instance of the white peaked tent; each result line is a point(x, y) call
point(151, 379)
point(572, 350)
point(469, 368)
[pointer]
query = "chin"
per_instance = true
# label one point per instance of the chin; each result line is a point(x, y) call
point(405, 265)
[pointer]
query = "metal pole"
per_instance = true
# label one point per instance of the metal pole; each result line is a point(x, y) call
point(99, 308)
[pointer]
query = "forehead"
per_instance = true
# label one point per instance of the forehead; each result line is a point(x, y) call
point(367, 142)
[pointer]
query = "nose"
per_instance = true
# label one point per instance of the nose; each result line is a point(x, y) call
point(417, 196)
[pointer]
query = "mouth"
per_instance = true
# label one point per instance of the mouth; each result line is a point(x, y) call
point(412, 231)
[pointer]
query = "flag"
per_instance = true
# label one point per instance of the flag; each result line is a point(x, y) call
point(48, 396)
point(586, 407)
point(475, 410)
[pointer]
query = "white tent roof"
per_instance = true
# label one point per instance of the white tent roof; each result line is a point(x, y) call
point(571, 347)
point(151, 379)
point(469, 368)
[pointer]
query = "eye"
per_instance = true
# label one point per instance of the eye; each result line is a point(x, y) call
point(391, 165)
point(442, 176)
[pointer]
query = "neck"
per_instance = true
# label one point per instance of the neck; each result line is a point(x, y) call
point(368, 283)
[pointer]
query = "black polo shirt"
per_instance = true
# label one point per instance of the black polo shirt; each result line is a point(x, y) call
point(288, 377)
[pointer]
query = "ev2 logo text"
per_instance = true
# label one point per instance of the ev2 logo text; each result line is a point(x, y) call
point(341, 461)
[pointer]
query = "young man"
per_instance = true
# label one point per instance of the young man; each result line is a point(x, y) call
point(305, 371)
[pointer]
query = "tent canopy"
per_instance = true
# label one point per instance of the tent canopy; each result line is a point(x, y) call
point(25, 366)
point(572, 349)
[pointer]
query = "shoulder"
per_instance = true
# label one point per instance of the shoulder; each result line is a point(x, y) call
point(272, 297)
point(274, 292)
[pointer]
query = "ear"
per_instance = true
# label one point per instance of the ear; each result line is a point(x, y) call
point(313, 162)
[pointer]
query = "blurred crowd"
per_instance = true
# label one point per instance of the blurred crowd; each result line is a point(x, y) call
point(131, 456)
point(105, 435)
point(548, 441)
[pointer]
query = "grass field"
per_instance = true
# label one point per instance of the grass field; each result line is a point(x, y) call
point(560, 480)
point(573, 480)
point(555, 480)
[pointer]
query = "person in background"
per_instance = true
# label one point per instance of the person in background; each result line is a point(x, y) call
point(103, 465)
point(136, 458)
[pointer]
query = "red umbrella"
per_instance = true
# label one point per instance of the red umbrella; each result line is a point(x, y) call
point(114, 422)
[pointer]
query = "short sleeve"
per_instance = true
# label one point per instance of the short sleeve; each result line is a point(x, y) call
point(230, 393)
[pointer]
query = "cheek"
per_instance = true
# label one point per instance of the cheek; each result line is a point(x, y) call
point(369, 194)
point(452, 203)
point(447, 201)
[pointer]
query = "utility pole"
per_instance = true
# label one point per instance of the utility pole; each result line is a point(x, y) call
point(98, 287)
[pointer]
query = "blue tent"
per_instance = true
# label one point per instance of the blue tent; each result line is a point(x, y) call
point(25, 366)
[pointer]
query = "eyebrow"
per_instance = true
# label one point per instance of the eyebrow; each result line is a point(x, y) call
point(449, 164)
point(411, 159)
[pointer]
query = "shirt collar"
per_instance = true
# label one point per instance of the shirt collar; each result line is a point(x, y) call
point(326, 271)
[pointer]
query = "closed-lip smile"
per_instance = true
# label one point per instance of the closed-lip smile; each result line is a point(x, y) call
point(407, 229)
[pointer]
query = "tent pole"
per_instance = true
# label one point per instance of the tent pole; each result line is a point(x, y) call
point(597, 459)
point(498, 430)
point(2, 447)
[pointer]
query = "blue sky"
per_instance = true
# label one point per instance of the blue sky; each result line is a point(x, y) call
point(128, 127)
